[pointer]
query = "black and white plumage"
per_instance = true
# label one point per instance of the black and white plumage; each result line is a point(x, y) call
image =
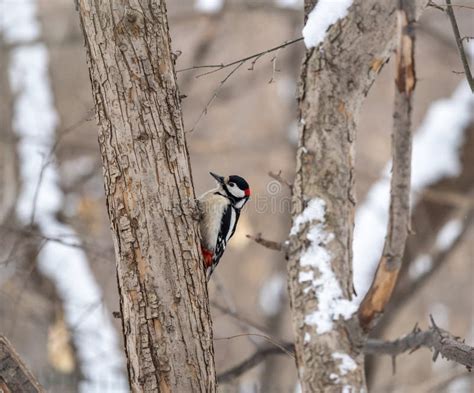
point(220, 212)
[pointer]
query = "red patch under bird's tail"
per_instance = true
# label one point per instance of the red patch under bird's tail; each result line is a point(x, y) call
point(208, 255)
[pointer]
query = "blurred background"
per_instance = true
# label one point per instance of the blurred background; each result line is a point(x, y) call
point(57, 272)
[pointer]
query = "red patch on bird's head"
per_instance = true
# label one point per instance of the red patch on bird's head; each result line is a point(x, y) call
point(247, 192)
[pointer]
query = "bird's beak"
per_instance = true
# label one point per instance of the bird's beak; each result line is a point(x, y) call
point(220, 179)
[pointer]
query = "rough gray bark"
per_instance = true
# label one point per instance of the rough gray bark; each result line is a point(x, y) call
point(438, 340)
point(335, 78)
point(14, 376)
point(150, 196)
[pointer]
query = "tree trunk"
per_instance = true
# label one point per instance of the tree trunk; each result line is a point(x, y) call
point(14, 375)
point(150, 196)
point(335, 78)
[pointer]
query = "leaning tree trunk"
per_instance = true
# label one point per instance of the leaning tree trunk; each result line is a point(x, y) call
point(150, 196)
point(335, 78)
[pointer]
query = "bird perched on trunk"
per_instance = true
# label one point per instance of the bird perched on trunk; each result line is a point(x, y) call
point(220, 211)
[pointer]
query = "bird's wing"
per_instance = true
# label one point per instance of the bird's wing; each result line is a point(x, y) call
point(227, 229)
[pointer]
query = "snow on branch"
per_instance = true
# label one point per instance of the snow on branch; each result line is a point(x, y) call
point(331, 302)
point(324, 14)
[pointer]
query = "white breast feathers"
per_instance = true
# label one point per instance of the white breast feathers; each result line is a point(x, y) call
point(212, 207)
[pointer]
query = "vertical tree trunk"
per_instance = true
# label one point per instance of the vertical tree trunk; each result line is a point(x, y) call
point(335, 78)
point(150, 196)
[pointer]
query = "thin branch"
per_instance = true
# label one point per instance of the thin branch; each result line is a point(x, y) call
point(435, 338)
point(274, 67)
point(251, 362)
point(398, 227)
point(457, 36)
point(214, 95)
point(236, 64)
point(439, 340)
point(444, 7)
point(241, 319)
point(279, 178)
point(49, 158)
point(256, 56)
point(264, 336)
point(92, 249)
point(270, 244)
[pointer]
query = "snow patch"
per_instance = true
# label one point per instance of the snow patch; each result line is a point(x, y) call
point(460, 385)
point(271, 294)
point(208, 6)
point(298, 387)
point(295, 4)
point(448, 234)
point(313, 212)
point(347, 363)
point(420, 266)
point(331, 303)
point(305, 276)
point(441, 135)
point(323, 15)
point(18, 23)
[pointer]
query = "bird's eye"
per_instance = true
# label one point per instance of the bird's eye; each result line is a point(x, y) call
point(231, 184)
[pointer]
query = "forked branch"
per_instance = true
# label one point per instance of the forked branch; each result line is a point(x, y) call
point(440, 341)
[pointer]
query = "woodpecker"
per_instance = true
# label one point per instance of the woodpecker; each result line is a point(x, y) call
point(220, 212)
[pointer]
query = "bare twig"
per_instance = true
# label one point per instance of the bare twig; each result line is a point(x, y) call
point(390, 263)
point(49, 158)
point(435, 338)
point(271, 340)
point(457, 36)
point(236, 64)
point(274, 67)
point(251, 362)
point(239, 318)
point(439, 340)
point(270, 244)
point(256, 56)
point(279, 178)
point(93, 249)
point(448, 4)
point(214, 95)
